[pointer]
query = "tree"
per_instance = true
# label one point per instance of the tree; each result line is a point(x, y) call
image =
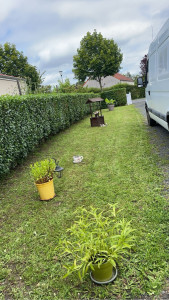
point(129, 75)
point(132, 76)
point(44, 89)
point(97, 57)
point(14, 63)
point(143, 65)
point(65, 87)
point(33, 77)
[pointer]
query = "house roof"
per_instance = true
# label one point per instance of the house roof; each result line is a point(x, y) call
point(11, 77)
point(86, 81)
point(122, 77)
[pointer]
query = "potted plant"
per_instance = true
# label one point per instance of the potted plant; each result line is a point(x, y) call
point(110, 103)
point(97, 240)
point(42, 173)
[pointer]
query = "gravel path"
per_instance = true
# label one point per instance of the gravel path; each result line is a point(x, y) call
point(159, 137)
point(158, 134)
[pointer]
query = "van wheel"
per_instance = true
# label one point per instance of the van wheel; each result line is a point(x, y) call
point(150, 121)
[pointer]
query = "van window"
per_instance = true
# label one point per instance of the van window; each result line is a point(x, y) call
point(152, 67)
point(163, 60)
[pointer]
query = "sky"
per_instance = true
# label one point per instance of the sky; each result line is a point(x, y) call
point(49, 31)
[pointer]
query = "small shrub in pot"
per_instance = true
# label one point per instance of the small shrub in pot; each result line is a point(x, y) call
point(110, 103)
point(97, 237)
point(42, 173)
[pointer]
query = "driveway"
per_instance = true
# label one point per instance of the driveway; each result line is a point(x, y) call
point(159, 137)
point(158, 134)
point(140, 104)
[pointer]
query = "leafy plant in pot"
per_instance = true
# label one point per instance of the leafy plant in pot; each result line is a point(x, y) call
point(97, 241)
point(110, 103)
point(42, 173)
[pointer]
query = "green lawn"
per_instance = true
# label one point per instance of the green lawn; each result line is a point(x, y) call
point(118, 166)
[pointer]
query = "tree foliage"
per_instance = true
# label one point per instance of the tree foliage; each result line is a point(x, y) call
point(14, 63)
point(66, 87)
point(143, 65)
point(97, 57)
point(44, 89)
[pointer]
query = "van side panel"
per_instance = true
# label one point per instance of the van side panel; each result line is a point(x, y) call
point(157, 90)
point(159, 121)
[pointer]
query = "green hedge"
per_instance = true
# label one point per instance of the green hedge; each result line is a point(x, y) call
point(136, 92)
point(92, 90)
point(117, 94)
point(27, 120)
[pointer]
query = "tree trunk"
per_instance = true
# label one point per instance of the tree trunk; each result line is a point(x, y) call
point(100, 83)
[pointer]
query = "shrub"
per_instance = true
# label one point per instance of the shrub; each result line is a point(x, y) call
point(118, 94)
point(26, 120)
point(43, 170)
point(136, 92)
point(92, 90)
point(110, 102)
point(44, 89)
point(96, 237)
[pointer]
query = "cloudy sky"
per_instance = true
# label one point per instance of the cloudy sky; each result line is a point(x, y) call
point(49, 31)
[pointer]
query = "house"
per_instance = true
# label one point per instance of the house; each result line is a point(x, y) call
point(12, 85)
point(109, 81)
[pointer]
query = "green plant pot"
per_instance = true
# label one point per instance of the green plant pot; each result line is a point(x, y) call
point(105, 274)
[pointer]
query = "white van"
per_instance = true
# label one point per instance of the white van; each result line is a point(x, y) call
point(157, 79)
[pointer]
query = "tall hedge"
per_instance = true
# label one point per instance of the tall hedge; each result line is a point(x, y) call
point(136, 92)
point(117, 94)
point(26, 120)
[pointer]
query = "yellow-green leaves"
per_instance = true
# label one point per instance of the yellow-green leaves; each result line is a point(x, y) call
point(43, 171)
point(110, 101)
point(95, 237)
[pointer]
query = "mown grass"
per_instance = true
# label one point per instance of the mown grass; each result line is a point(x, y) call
point(118, 166)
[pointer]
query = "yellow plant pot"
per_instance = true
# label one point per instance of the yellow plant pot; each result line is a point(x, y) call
point(46, 190)
point(103, 275)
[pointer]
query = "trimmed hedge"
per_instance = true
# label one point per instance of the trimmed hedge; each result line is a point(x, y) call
point(117, 94)
point(92, 90)
point(26, 120)
point(136, 92)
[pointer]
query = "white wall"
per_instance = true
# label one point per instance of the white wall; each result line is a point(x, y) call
point(23, 86)
point(106, 82)
point(10, 87)
point(127, 82)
